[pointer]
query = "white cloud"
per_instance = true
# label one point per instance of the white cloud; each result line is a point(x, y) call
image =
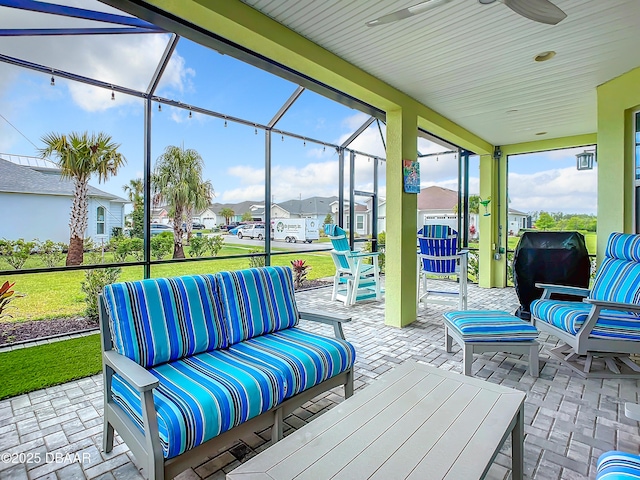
point(560, 190)
point(288, 182)
point(427, 146)
point(125, 60)
point(248, 175)
point(354, 122)
point(438, 169)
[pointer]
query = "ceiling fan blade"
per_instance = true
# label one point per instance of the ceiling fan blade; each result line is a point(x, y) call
point(542, 11)
point(406, 12)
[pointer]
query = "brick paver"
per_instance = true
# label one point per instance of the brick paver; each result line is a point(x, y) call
point(56, 433)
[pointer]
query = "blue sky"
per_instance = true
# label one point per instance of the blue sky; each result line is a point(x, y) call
point(234, 155)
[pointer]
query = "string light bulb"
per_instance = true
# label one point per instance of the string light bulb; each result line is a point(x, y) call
point(255, 129)
point(283, 138)
point(159, 107)
point(190, 114)
point(225, 122)
point(113, 94)
point(53, 81)
point(304, 144)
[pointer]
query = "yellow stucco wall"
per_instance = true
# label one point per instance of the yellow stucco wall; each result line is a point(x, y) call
point(617, 100)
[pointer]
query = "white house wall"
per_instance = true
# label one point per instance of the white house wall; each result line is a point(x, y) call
point(29, 216)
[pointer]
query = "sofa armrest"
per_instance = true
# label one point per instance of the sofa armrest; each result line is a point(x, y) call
point(135, 375)
point(625, 307)
point(632, 411)
point(563, 289)
point(334, 319)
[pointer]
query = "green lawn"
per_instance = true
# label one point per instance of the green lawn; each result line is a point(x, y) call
point(33, 368)
point(58, 294)
point(590, 239)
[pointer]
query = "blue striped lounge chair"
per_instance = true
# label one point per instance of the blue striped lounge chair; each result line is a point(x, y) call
point(439, 256)
point(602, 330)
point(355, 279)
point(615, 465)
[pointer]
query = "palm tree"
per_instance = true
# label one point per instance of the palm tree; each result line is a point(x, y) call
point(79, 156)
point(135, 192)
point(227, 213)
point(200, 199)
point(177, 182)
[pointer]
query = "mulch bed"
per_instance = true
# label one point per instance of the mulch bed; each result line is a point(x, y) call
point(33, 330)
point(13, 332)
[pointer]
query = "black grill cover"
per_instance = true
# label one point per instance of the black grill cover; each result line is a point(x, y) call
point(560, 258)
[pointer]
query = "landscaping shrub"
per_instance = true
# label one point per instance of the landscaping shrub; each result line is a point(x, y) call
point(300, 271)
point(94, 282)
point(136, 248)
point(6, 297)
point(161, 245)
point(382, 238)
point(198, 246)
point(51, 253)
point(16, 252)
point(258, 261)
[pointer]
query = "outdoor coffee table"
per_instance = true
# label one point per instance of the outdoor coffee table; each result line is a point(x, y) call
point(416, 421)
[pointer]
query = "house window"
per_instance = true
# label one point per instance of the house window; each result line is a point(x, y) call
point(359, 222)
point(100, 226)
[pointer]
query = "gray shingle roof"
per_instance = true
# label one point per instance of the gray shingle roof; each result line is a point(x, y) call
point(22, 179)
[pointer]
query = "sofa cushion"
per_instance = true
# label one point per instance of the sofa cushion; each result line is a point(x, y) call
point(569, 316)
point(159, 320)
point(617, 281)
point(257, 301)
point(304, 359)
point(616, 465)
point(490, 326)
point(618, 278)
point(202, 396)
point(623, 246)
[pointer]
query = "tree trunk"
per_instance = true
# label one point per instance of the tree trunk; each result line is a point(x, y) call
point(178, 250)
point(75, 255)
point(189, 224)
point(78, 222)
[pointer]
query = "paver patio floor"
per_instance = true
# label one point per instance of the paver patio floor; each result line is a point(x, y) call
point(569, 421)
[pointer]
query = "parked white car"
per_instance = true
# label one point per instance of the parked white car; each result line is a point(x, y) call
point(256, 230)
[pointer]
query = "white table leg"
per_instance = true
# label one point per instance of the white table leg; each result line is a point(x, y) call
point(517, 446)
point(534, 363)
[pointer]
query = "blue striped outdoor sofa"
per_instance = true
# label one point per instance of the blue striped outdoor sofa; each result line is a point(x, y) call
point(605, 327)
point(615, 465)
point(193, 363)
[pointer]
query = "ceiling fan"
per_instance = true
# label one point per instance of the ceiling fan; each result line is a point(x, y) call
point(542, 11)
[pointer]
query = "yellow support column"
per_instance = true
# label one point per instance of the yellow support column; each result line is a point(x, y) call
point(492, 268)
point(401, 257)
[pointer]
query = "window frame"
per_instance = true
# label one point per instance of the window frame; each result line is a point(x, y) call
point(102, 222)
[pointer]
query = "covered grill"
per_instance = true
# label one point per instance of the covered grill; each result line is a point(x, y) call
point(559, 258)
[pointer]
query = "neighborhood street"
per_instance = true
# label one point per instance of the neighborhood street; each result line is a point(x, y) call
point(297, 247)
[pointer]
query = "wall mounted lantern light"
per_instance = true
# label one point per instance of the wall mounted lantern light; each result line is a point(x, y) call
point(584, 160)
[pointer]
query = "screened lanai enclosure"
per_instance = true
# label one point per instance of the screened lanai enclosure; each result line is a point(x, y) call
point(273, 145)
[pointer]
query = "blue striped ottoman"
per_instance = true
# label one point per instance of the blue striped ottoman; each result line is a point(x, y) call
point(478, 331)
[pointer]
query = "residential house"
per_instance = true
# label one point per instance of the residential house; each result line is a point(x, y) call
point(362, 220)
point(36, 203)
point(438, 205)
